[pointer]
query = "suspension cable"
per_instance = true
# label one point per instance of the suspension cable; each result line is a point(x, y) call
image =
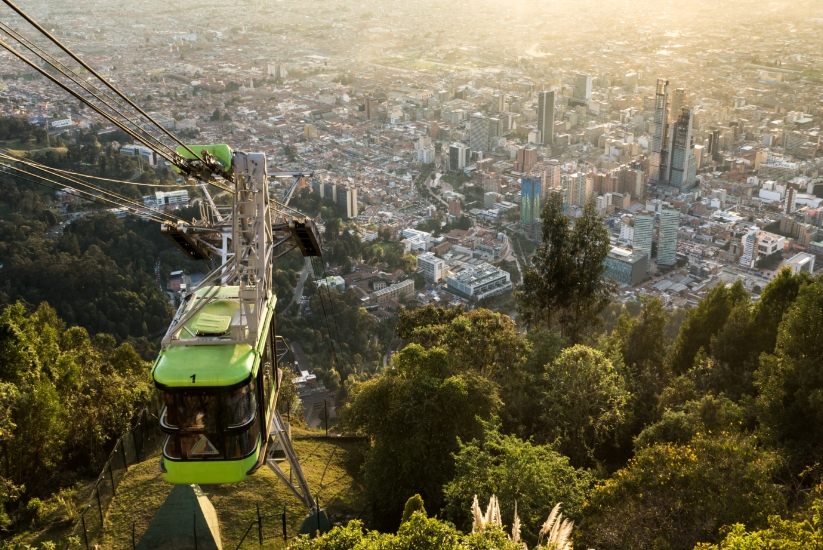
point(121, 200)
point(108, 117)
point(333, 313)
point(108, 101)
point(168, 157)
point(325, 316)
point(78, 174)
point(57, 186)
point(71, 54)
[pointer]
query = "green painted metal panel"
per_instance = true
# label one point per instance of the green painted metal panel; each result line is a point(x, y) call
point(209, 472)
point(210, 365)
point(220, 151)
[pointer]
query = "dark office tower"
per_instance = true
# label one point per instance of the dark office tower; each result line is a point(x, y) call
point(372, 108)
point(714, 145)
point(583, 87)
point(683, 166)
point(545, 116)
point(658, 157)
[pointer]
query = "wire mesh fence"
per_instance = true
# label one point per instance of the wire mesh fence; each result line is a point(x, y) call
point(266, 530)
point(131, 448)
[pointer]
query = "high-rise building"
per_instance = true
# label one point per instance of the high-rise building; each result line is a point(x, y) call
point(683, 166)
point(347, 200)
point(431, 267)
point(372, 107)
point(551, 177)
point(545, 116)
point(329, 191)
point(529, 202)
point(479, 133)
point(680, 99)
point(459, 155)
point(658, 155)
point(579, 187)
point(749, 255)
point(583, 87)
point(792, 141)
point(642, 238)
point(667, 236)
point(714, 145)
point(494, 131)
point(454, 208)
point(791, 201)
point(498, 103)
point(525, 159)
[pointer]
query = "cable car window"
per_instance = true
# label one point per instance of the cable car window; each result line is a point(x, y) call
point(191, 410)
point(240, 406)
point(194, 446)
point(242, 444)
point(211, 423)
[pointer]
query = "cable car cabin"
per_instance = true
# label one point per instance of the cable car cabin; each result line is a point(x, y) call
point(217, 395)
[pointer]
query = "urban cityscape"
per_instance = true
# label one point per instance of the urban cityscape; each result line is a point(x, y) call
point(439, 178)
point(703, 155)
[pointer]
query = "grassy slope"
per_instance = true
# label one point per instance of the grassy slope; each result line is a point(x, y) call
point(15, 147)
point(331, 467)
point(142, 493)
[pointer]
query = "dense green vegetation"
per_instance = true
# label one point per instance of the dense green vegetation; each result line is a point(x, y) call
point(652, 438)
point(64, 397)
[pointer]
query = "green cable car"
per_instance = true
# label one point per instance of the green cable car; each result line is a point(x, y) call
point(217, 396)
point(217, 374)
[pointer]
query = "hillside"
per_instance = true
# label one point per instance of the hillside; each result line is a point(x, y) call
point(332, 468)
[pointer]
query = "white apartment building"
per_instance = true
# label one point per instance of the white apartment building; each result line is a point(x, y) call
point(431, 267)
point(642, 235)
point(749, 255)
point(478, 282)
point(416, 240)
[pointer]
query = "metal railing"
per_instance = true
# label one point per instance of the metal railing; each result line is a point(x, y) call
point(263, 527)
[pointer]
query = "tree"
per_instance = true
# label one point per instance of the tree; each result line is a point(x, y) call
point(591, 291)
point(790, 381)
point(522, 389)
point(409, 321)
point(418, 533)
point(703, 322)
point(546, 283)
point(674, 496)
point(63, 398)
point(565, 282)
point(534, 476)
point(775, 301)
point(802, 533)
point(584, 401)
point(642, 345)
point(734, 358)
point(710, 414)
point(414, 504)
point(479, 340)
point(414, 416)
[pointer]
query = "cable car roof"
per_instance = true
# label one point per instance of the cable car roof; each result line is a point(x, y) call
point(206, 349)
point(210, 365)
